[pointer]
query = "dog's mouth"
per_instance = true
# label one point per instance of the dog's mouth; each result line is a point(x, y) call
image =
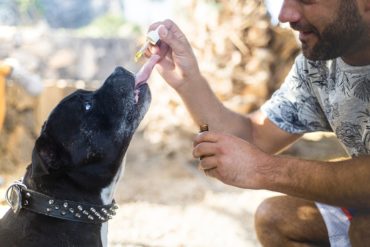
point(143, 75)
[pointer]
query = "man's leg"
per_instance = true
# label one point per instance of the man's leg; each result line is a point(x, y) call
point(359, 231)
point(288, 221)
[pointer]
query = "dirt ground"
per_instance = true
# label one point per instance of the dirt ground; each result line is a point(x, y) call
point(165, 201)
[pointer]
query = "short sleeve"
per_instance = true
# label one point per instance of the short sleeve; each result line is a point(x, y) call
point(294, 107)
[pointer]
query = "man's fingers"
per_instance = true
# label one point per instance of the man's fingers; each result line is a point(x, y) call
point(211, 172)
point(171, 34)
point(208, 162)
point(204, 149)
point(207, 136)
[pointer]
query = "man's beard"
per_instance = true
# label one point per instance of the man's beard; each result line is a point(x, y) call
point(346, 34)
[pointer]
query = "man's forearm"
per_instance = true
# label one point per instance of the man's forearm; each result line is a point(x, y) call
point(344, 183)
point(206, 108)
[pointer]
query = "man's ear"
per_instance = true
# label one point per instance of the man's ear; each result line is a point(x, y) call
point(45, 157)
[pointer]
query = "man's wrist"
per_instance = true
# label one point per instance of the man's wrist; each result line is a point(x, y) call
point(191, 83)
point(269, 173)
point(295, 177)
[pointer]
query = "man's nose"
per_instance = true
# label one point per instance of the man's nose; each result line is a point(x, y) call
point(290, 11)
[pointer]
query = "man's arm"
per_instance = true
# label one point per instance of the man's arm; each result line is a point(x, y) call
point(256, 128)
point(237, 149)
point(238, 163)
point(343, 183)
point(179, 67)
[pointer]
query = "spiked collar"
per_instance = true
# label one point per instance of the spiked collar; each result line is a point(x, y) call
point(20, 197)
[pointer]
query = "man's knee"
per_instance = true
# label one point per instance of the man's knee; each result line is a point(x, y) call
point(288, 221)
point(265, 214)
point(268, 220)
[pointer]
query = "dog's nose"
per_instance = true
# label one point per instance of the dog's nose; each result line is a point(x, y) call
point(122, 72)
point(119, 70)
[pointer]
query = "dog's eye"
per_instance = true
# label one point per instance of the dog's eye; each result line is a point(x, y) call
point(87, 106)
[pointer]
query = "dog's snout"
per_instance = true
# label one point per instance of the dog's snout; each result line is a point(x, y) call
point(121, 71)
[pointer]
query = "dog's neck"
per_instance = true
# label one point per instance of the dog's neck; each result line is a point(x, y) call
point(107, 196)
point(65, 190)
point(61, 189)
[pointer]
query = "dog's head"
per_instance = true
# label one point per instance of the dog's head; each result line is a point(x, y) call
point(88, 132)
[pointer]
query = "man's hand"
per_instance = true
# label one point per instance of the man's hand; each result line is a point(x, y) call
point(231, 160)
point(178, 64)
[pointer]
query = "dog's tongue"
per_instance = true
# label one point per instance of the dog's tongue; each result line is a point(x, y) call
point(146, 70)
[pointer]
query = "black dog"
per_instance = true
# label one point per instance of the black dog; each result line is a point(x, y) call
point(66, 195)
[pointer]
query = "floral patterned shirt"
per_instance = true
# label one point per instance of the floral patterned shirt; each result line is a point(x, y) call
point(325, 96)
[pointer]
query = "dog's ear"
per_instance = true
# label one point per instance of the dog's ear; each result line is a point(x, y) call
point(45, 156)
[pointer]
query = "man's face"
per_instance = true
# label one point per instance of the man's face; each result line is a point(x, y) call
point(342, 34)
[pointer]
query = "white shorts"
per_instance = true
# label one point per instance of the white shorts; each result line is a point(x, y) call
point(337, 224)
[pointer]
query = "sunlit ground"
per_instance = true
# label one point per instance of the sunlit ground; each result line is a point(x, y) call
point(168, 202)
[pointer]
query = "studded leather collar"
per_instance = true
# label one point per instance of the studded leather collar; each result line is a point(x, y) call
point(20, 197)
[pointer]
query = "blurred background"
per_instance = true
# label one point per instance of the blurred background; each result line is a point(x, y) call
point(164, 200)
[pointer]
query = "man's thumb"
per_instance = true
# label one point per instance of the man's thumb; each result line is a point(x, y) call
point(163, 32)
point(175, 41)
